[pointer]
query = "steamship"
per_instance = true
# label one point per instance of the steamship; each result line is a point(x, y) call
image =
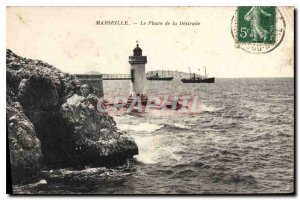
point(194, 79)
point(157, 77)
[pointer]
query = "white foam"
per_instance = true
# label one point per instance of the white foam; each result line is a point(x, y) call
point(180, 125)
point(43, 181)
point(205, 108)
point(155, 149)
point(191, 110)
point(143, 127)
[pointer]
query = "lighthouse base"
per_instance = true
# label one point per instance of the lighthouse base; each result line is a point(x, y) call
point(135, 100)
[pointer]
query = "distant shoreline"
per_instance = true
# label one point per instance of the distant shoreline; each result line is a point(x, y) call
point(179, 74)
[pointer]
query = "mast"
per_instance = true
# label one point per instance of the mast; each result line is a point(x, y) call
point(205, 72)
point(190, 73)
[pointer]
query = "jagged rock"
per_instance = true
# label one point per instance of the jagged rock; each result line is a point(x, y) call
point(25, 147)
point(97, 136)
point(86, 89)
point(62, 120)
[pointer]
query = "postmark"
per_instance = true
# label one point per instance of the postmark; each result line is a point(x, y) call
point(257, 29)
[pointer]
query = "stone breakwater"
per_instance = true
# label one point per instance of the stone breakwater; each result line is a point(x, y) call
point(52, 122)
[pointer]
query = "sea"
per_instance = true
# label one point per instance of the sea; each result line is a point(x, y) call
point(240, 142)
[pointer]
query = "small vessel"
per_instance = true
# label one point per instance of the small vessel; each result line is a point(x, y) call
point(194, 79)
point(157, 77)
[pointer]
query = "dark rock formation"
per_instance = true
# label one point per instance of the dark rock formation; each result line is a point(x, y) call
point(52, 121)
point(25, 147)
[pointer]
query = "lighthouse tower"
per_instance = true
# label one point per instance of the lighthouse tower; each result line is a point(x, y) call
point(137, 71)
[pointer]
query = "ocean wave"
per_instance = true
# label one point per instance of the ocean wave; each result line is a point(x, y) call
point(205, 108)
point(284, 134)
point(155, 149)
point(142, 127)
point(226, 152)
point(177, 126)
point(152, 127)
point(163, 172)
point(233, 178)
point(196, 164)
point(201, 108)
point(186, 173)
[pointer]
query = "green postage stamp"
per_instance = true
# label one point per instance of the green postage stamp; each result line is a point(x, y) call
point(257, 29)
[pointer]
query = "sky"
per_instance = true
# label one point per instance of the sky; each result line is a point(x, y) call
point(69, 39)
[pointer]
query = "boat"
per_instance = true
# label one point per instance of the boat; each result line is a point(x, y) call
point(199, 80)
point(194, 79)
point(157, 77)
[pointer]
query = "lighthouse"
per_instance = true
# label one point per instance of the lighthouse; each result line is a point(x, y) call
point(137, 72)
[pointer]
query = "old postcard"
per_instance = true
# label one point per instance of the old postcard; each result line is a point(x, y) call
point(150, 100)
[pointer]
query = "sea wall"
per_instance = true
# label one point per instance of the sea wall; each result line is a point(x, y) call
point(52, 122)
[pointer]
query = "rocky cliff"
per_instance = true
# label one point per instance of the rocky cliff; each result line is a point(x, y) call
point(52, 121)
